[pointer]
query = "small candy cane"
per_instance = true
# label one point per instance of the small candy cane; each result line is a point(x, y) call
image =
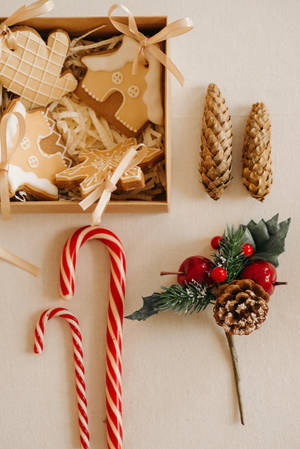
point(114, 332)
point(78, 358)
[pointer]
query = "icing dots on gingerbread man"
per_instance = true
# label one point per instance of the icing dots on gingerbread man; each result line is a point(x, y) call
point(96, 166)
point(40, 155)
point(128, 101)
point(33, 69)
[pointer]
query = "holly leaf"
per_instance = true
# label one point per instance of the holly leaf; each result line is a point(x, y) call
point(259, 232)
point(268, 237)
point(273, 225)
point(144, 312)
point(248, 237)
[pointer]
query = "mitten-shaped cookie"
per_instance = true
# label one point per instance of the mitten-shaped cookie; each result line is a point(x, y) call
point(33, 69)
point(257, 165)
point(216, 144)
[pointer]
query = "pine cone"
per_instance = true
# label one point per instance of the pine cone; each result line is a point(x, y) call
point(241, 307)
point(257, 164)
point(216, 144)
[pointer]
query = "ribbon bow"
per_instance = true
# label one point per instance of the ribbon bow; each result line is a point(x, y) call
point(174, 29)
point(23, 13)
point(131, 158)
point(6, 154)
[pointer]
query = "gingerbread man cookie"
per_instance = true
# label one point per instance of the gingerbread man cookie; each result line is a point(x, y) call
point(128, 101)
point(33, 70)
point(97, 165)
point(38, 158)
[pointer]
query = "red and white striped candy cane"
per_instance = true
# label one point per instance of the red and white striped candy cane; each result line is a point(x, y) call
point(78, 358)
point(114, 333)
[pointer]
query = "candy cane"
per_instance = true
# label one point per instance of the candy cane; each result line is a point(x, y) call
point(114, 332)
point(78, 358)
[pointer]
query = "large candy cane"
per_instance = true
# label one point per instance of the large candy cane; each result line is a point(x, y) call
point(78, 358)
point(114, 332)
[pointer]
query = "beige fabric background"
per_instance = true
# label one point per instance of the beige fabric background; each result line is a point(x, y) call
point(178, 384)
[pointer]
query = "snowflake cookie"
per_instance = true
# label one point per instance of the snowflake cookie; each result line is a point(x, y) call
point(97, 165)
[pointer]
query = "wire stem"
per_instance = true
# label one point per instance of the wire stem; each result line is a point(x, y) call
point(237, 378)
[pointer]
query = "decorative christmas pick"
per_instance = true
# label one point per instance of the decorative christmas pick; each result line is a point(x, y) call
point(114, 333)
point(238, 281)
point(78, 359)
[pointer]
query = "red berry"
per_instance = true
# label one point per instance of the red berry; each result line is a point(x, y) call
point(215, 242)
point(261, 272)
point(247, 250)
point(218, 275)
point(195, 268)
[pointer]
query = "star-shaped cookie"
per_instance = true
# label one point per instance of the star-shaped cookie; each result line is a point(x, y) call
point(97, 165)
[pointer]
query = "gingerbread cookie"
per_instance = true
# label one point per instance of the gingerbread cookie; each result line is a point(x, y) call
point(128, 101)
point(97, 165)
point(38, 158)
point(33, 70)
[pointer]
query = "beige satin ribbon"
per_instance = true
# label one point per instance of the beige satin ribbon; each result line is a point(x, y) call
point(131, 158)
point(24, 13)
point(174, 29)
point(6, 155)
point(18, 262)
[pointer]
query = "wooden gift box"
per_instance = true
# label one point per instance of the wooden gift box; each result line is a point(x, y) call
point(77, 26)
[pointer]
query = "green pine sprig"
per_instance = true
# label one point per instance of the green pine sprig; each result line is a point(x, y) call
point(191, 298)
point(230, 255)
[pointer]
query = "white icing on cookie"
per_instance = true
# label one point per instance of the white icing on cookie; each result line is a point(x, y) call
point(18, 177)
point(25, 144)
point(152, 95)
point(133, 91)
point(117, 78)
point(115, 60)
point(33, 161)
point(123, 55)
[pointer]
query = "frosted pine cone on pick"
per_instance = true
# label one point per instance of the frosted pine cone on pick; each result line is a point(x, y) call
point(216, 144)
point(257, 165)
point(241, 307)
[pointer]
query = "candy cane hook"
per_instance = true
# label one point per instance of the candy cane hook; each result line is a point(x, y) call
point(114, 332)
point(78, 359)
